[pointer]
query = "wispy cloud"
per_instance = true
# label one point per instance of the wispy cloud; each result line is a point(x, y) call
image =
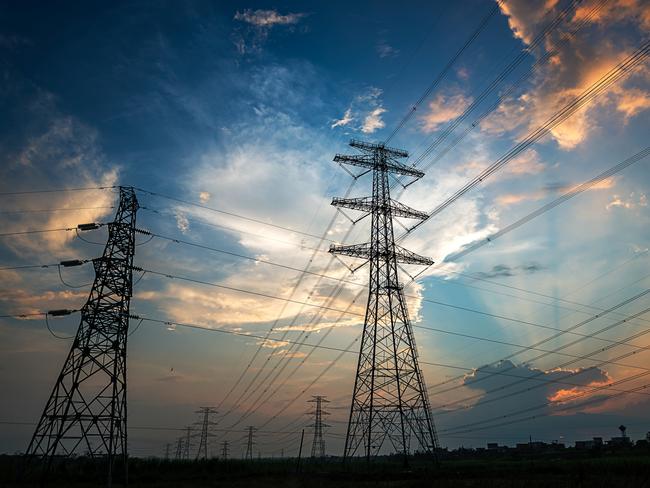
point(444, 108)
point(385, 50)
point(373, 121)
point(268, 18)
point(259, 23)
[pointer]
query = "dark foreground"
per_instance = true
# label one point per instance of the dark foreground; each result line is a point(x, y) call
point(592, 470)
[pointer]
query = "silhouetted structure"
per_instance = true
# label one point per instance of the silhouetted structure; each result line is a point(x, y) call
point(225, 450)
point(86, 410)
point(205, 428)
point(249, 444)
point(390, 397)
point(318, 444)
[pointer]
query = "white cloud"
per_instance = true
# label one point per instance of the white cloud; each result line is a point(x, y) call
point(373, 121)
point(267, 18)
point(204, 196)
point(345, 120)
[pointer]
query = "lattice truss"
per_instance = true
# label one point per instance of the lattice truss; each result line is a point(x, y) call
point(390, 399)
point(86, 411)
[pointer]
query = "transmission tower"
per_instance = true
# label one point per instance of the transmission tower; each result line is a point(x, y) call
point(250, 443)
point(187, 444)
point(225, 451)
point(390, 397)
point(86, 410)
point(179, 449)
point(318, 445)
point(167, 449)
point(205, 426)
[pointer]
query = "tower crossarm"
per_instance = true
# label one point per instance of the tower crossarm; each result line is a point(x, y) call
point(365, 204)
point(371, 162)
point(364, 250)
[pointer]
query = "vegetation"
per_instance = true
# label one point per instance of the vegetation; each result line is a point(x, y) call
point(629, 469)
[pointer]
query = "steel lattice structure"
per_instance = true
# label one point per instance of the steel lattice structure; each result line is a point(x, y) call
point(318, 444)
point(87, 407)
point(250, 443)
point(206, 423)
point(390, 398)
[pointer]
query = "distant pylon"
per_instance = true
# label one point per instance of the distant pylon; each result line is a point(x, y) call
point(205, 427)
point(390, 397)
point(249, 444)
point(86, 411)
point(167, 449)
point(318, 444)
point(179, 449)
point(187, 444)
point(225, 451)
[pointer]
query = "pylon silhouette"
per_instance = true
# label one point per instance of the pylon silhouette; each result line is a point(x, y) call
point(390, 397)
point(87, 407)
point(318, 444)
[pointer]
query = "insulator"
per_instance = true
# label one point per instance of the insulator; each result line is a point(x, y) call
point(89, 226)
point(71, 262)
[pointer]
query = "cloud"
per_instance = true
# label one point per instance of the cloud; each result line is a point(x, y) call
point(258, 23)
point(373, 121)
point(444, 108)
point(345, 120)
point(267, 18)
point(631, 202)
point(577, 60)
point(366, 107)
point(385, 50)
point(507, 199)
point(182, 223)
point(503, 270)
point(204, 196)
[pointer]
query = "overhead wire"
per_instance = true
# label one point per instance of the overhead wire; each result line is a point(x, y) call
point(621, 70)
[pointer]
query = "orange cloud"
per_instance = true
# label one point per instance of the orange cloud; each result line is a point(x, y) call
point(444, 109)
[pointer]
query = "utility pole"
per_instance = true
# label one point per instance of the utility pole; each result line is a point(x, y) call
point(205, 425)
point(389, 400)
point(86, 411)
point(250, 444)
point(318, 444)
point(225, 450)
point(186, 450)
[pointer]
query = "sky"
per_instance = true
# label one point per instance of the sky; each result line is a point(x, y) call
point(240, 107)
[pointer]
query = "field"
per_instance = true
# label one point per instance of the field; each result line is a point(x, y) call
point(612, 470)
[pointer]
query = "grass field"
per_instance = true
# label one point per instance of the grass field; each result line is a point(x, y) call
point(620, 470)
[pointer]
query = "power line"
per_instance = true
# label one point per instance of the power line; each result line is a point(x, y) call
point(576, 190)
point(231, 214)
point(444, 71)
point(611, 77)
point(47, 210)
point(58, 190)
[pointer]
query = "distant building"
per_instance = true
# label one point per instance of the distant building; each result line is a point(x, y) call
point(590, 444)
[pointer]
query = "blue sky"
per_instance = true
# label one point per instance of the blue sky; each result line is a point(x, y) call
point(242, 107)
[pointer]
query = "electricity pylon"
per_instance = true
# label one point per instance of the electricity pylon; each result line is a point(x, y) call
point(205, 427)
point(225, 450)
point(390, 397)
point(179, 449)
point(87, 407)
point(187, 444)
point(249, 444)
point(318, 444)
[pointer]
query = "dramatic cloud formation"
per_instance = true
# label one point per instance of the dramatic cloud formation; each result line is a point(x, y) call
point(576, 63)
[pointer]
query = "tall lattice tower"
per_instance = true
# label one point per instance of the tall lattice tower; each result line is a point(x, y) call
point(390, 398)
point(318, 444)
point(87, 407)
point(206, 423)
point(250, 443)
